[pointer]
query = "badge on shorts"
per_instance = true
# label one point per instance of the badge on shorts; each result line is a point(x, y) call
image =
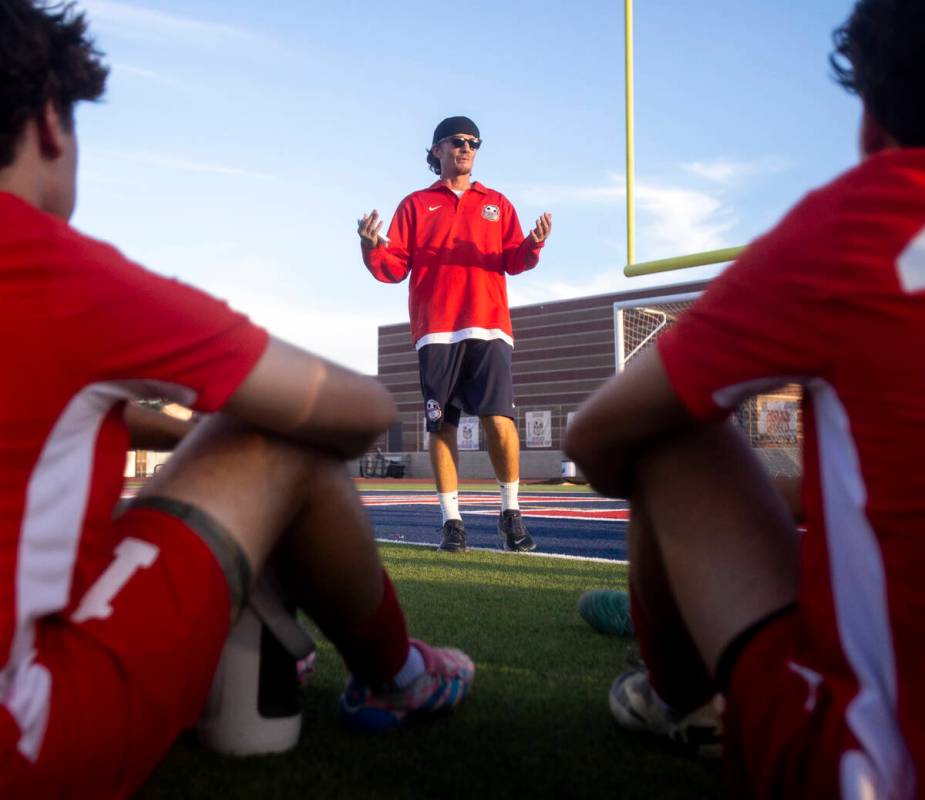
point(434, 412)
point(491, 213)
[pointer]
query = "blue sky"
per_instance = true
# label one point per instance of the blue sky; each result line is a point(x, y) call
point(239, 142)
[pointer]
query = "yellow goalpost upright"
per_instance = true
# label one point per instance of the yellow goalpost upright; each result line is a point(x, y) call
point(772, 422)
point(632, 269)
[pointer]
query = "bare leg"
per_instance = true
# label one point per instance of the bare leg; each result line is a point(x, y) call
point(676, 670)
point(331, 541)
point(444, 458)
point(503, 447)
point(269, 493)
point(727, 539)
point(298, 505)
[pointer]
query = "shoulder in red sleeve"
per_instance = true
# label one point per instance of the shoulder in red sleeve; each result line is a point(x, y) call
point(115, 320)
point(766, 320)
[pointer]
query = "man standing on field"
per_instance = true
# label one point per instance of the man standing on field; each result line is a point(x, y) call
point(457, 239)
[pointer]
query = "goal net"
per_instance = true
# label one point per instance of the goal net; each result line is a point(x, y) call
point(772, 422)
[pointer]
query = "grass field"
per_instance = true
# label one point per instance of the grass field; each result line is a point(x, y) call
point(536, 724)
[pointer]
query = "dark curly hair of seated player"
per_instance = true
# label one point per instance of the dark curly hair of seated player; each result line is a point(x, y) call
point(880, 56)
point(45, 54)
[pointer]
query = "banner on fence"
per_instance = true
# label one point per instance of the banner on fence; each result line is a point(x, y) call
point(777, 419)
point(467, 435)
point(539, 428)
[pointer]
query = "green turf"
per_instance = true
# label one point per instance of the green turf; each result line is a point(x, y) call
point(536, 724)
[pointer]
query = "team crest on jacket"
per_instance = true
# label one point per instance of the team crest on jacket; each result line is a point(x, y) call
point(491, 213)
point(434, 412)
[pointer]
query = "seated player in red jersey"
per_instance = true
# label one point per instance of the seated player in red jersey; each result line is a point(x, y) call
point(110, 631)
point(816, 643)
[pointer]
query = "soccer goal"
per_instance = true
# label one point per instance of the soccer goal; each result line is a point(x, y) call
point(772, 421)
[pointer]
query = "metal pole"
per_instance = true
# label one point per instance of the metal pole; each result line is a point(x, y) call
point(630, 147)
point(619, 340)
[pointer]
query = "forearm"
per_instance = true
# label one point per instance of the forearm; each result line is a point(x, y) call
point(522, 258)
point(153, 430)
point(347, 414)
point(603, 453)
point(607, 454)
point(609, 472)
point(384, 264)
point(620, 421)
point(308, 399)
point(791, 488)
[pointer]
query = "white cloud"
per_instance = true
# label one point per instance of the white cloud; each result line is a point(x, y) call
point(525, 290)
point(612, 192)
point(671, 220)
point(166, 161)
point(347, 337)
point(728, 171)
point(135, 21)
point(120, 68)
point(674, 221)
point(718, 171)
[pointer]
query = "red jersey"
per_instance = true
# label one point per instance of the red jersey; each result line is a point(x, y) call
point(834, 298)
point(82, 330)
point(457, 250)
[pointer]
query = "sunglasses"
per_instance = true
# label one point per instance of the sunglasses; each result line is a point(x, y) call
point(458, 141)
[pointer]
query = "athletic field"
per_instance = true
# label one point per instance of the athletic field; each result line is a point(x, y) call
point(536, 724)
point(563, 519)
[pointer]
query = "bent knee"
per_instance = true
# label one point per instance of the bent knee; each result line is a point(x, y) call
point(578, 448)
point(227, 461)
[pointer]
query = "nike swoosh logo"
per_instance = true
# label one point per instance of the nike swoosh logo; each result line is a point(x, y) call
point(433, 208)
point(813, 681)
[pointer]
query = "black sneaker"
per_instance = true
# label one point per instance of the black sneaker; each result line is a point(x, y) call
point(513, 532)
point(454, 536)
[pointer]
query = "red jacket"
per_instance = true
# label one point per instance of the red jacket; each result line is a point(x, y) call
point(457, 250)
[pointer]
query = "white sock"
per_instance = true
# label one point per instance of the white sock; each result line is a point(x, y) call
point(449, 505)
point(509, 496)
point(414, 666)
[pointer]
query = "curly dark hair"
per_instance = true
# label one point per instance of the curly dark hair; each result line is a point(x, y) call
point(45, 54)
point(432, 161)
point(880, 56)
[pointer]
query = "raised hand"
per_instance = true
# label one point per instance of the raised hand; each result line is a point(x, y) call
point(368, 227)
point(543, 228)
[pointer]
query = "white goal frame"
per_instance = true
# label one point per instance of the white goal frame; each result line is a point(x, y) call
point(642, 303)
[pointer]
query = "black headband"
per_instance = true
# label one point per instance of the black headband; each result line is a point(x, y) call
point(452, 126)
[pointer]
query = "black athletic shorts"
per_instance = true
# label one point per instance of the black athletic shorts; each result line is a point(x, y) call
point(472, 376)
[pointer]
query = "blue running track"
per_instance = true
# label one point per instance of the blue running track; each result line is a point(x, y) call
point(578, 525)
